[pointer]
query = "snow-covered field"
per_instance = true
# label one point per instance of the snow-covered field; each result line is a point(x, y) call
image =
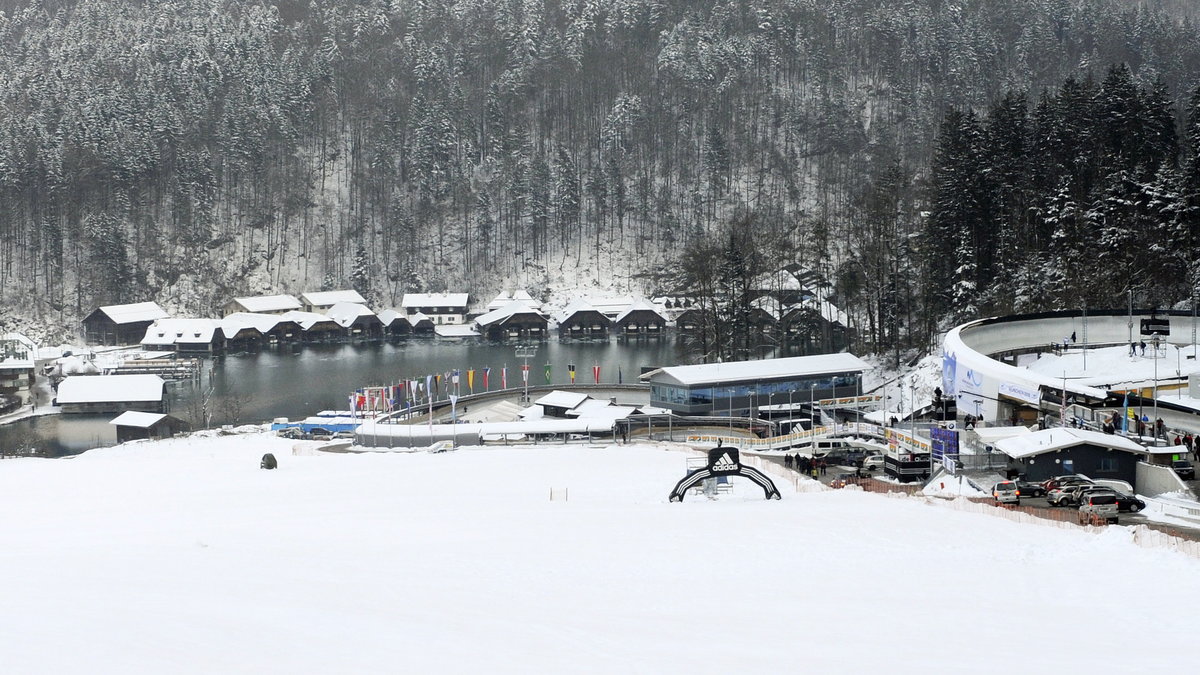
point(183, 556)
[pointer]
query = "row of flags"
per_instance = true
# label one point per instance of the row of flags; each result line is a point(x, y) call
point(407, 394)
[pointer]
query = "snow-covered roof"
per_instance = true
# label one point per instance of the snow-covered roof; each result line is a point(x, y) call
point(548, 425)
point(110, 388)
point(575, 307)
point(455, 330)
point(182, 331)
point(330, 298)
point(992, 434)
point(504, 297)
point(1049, 440)
point(418, 318)
point(511, 309)
point(601, 410)
point(458, 300)
point(825, 309)
point(346, 313)
point(306, 319)
point(765, 369)
point(268, 303)
point(389, 316)
point(781, 280)
point(562, 399)
point(134, 418)
point(768, 304)
point(262, 323)
point(19, 352)
point(611, 307)
point(135, 312)
point(640, 305)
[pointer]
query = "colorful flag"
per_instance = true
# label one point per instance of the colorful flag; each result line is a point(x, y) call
point(596, 373)
point(525, 373)
point(487, 370)
point(429, 387)
point(620, 378)
point(504, 377)
point(1128, 414)
point(571, 370)
point(471, 380)
point(547, 373)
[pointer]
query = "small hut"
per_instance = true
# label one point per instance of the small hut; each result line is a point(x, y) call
point(133, 425)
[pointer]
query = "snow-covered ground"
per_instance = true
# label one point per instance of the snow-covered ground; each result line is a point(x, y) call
point(183, 556)
point(1114, 368)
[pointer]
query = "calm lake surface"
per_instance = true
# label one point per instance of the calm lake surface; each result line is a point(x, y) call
point(301, 380)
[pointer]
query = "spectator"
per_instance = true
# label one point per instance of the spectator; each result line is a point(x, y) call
point(1142, 345)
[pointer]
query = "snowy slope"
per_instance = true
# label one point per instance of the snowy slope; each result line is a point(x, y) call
point(183, 556)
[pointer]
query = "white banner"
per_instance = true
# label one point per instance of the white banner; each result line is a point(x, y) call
point(1030, 396)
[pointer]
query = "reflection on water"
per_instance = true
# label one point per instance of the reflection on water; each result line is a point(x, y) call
point(298, 380)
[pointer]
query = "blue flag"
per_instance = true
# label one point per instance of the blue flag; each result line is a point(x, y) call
point(1125, 415)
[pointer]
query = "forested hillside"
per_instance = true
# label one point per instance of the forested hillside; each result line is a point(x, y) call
point(190, 150)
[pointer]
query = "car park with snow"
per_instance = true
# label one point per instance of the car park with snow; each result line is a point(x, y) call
point(1031, 489)
point(1100, 507)
point(1184, 469)
point(1066, 495)
point(873, 463)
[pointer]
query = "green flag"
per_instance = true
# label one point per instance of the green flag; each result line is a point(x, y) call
point(547, 373)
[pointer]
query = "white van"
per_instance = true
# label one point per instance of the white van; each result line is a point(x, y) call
point(1007, 492)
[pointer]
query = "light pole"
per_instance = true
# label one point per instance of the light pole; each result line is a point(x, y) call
point(812, 408)
point(1155, 341)
point(791, 425)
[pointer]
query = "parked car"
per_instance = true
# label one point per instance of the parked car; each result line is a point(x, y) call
point(1184, 469)
point(1086, 491)
point(1128, 503)
point(1006, 492)
point(855, 456)
point(1098, 506)
point(1031, 489)
point(873, 463)
point(1065, 495)
point(1062, 481)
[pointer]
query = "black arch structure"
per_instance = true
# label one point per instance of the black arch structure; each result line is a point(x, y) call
point(750, 472)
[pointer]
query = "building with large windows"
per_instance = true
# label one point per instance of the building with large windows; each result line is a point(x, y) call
point(737, 388)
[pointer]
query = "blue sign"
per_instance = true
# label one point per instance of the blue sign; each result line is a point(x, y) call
point(943, 443)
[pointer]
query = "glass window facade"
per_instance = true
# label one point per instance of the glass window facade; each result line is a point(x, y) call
point(718, 397)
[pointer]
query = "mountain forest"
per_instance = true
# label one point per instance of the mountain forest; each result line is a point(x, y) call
point(930, 160)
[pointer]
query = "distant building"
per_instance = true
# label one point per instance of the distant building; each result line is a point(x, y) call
point(505, 298)
point(184, 335)
point(516, 320)
point(261, 328)
point(263, 304)
point(738, 387)
point(356, 320)
point(320, 301)
point(120, 324)
point(133, 425)
point(581, 319)
point(112, 394)
point(441, 308)
point(1042, 455)
point(559, 403)
point(395, 323)
point(17, 368)
point(316, 327)
point(640, 318)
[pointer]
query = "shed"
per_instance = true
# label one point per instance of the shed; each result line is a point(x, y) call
point(395, 323)
point(641, 318)
point(558, 403)
point(121, 324)
point(184, 335)
point(517, 319)
point(263, 304)
point(316, 327)
point(268, 327)
point(421, 324)
point(112, 394)
point(581, 319)
point(356, 319)
point(133, 425)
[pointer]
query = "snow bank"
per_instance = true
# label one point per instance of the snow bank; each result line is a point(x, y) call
point(182, 556)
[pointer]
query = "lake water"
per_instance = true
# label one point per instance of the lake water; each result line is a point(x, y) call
point(300, 380)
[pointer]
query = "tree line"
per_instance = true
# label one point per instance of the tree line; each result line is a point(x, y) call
point(194, 150)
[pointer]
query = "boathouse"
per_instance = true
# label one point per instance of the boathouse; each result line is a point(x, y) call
point(120, 324)
point(505, 298)
point(111, 394)
point(441, 308)
point(263, 304)
point(395, 323)
point(357, 320)
point(133, 425)
point(320, 301)
point(739, 387)
point(693, 320)
point(516, 320)
point(268, 328)
point(421, 324)
point(640, 318)
point(185, 336)
point(316, 327)
point(581, 319)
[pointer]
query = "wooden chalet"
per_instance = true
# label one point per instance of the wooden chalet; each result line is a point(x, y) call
point(111, 394)
point(641, 318)
point(516, 320)
point(395, 323)
point(320, 302)
point(184, 336)
point(316, 327)
point(120, 324)
point(133, 425)
point(263, 304)
point(357, 320)
point(581, 319)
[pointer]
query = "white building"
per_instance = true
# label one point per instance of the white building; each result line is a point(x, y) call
point(320, 301)
point(441, 308)
point(111, 393)
point(262, 304)
point(17, 354)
